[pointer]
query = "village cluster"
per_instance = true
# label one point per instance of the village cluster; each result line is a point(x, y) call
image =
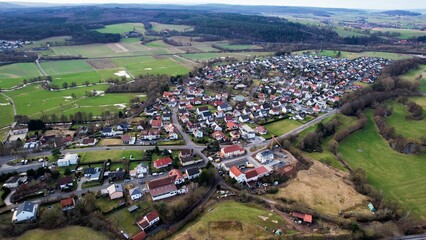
point(9, 45)
point(228, 105)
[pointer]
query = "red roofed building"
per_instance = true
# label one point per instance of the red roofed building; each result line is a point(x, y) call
point(302, 216)
point(164, 188)
point(261, 130)
point(177, 174)
point(149, 220)
point(140, 236)
point(232, 151)
point(236, 174)
point(163, 162)
point(156, 124)
point(67, 204)
point(218, 135)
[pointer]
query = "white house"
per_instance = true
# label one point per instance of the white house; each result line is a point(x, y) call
point(12, 182)
point(27, 211)
point(247, 132)
point(68, 159)
point(232, 151)
point(135, 193)
point(265, 156)
point(236, 174)
point(149, 220)
point(192, 173)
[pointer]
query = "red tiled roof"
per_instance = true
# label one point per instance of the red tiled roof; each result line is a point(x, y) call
point(152, 215)
point(251, 174)
point(305, 217)
point(156, 123)
point(235, 171)
point(261, 170)
point(125, 138)
point(232, 148)
point(67, 202)
point(140, 236)
point(163, 162)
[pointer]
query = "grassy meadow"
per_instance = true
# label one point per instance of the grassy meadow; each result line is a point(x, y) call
point(34, 101)
point(13, 74)
point(404, 33)
point(122, 28)
point(407, 128)
point(238, 46)
point(232, 220)
point(6, 112)
point(158, 27)
point(418, 74)
point(66, 233)
point(394, 173)
point(114, 155)
point(151, 65)
point(283, 126)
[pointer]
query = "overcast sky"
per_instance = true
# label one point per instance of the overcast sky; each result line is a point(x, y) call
point(363, 4)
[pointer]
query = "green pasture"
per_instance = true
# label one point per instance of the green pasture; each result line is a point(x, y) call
point(401, 177)
point(158, 27)
point(14, 74)
point(407, 128)
point(113, 155)
point(404, 33)
point(151, 65)
point(65, 233)
point(122, 28)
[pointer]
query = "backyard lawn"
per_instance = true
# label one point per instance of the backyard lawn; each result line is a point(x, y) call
point(407, 128)
point(283, 126)
point(114, 155)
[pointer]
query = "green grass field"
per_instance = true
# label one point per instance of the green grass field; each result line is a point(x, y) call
point(122, 28)
point(405, 33)
point(158, 27)
point(348, 32)
point(418, 74)
point(238, 46)
point(353, 55)
point(407, 128)
point(114, 155)
point(232, 220)
point(66, 233)
point(151, 65)
point(420, 100)
point(88, 50)
point(51, 40)
point(6, 112)
point(283, 126)
point(81, 78)
point(65, 67)
point(396, 174)
point(13, 74)
point(208, 56)
point(33, 101)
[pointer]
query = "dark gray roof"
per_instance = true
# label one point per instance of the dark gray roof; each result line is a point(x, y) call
point(26, 206)
point(13, 179)
point(193, 171)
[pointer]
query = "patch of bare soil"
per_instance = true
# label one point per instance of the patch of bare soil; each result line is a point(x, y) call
point(323, 189)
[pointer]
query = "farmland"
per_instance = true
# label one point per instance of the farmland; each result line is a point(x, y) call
point(122, 28)
point(232, 220)
point(66, 67)
point(67, 233)
point(353, 55)
point(13, 74)
point(208, 56)
point(238, 46)
point(403, 33)
point(407, 128)
point(151, 65)
point(394, 173)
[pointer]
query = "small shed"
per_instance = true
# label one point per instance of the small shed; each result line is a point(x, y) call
point(371, 207)
point(132, 208)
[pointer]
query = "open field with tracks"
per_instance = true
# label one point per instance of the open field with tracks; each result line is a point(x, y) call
point(232, 220)
point(35, 101)
point(208, 56)
point(151, 65)
point(396, 174)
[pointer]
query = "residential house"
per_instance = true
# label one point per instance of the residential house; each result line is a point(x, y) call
point(150, 135)
point(224, 107)
point(163, 162)
point(177, 174)
point(232, 151)
point(265, 156)
point(247, 132)
point(140, 236)
point(67, 204)
point(12, 182)
point(65, 183)
point(198, 133)
point(88, 142)
point(135, 193)
point(115, 191)
point(156, 123)
point(261, 130)
point(236, 174)
point(307, 218)
point(92, 174)
point(192, 173)
point(116, 175)
point(27, 211)
point(219, 136)
point(110, 132)
point(149, 220)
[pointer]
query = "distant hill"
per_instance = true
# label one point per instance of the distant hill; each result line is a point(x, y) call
point(401, 13)
point(6, 5)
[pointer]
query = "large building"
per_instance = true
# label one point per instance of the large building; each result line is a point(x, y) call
point(164, 188)
point(232, 151)
point(265, 156)
point(68, 159)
